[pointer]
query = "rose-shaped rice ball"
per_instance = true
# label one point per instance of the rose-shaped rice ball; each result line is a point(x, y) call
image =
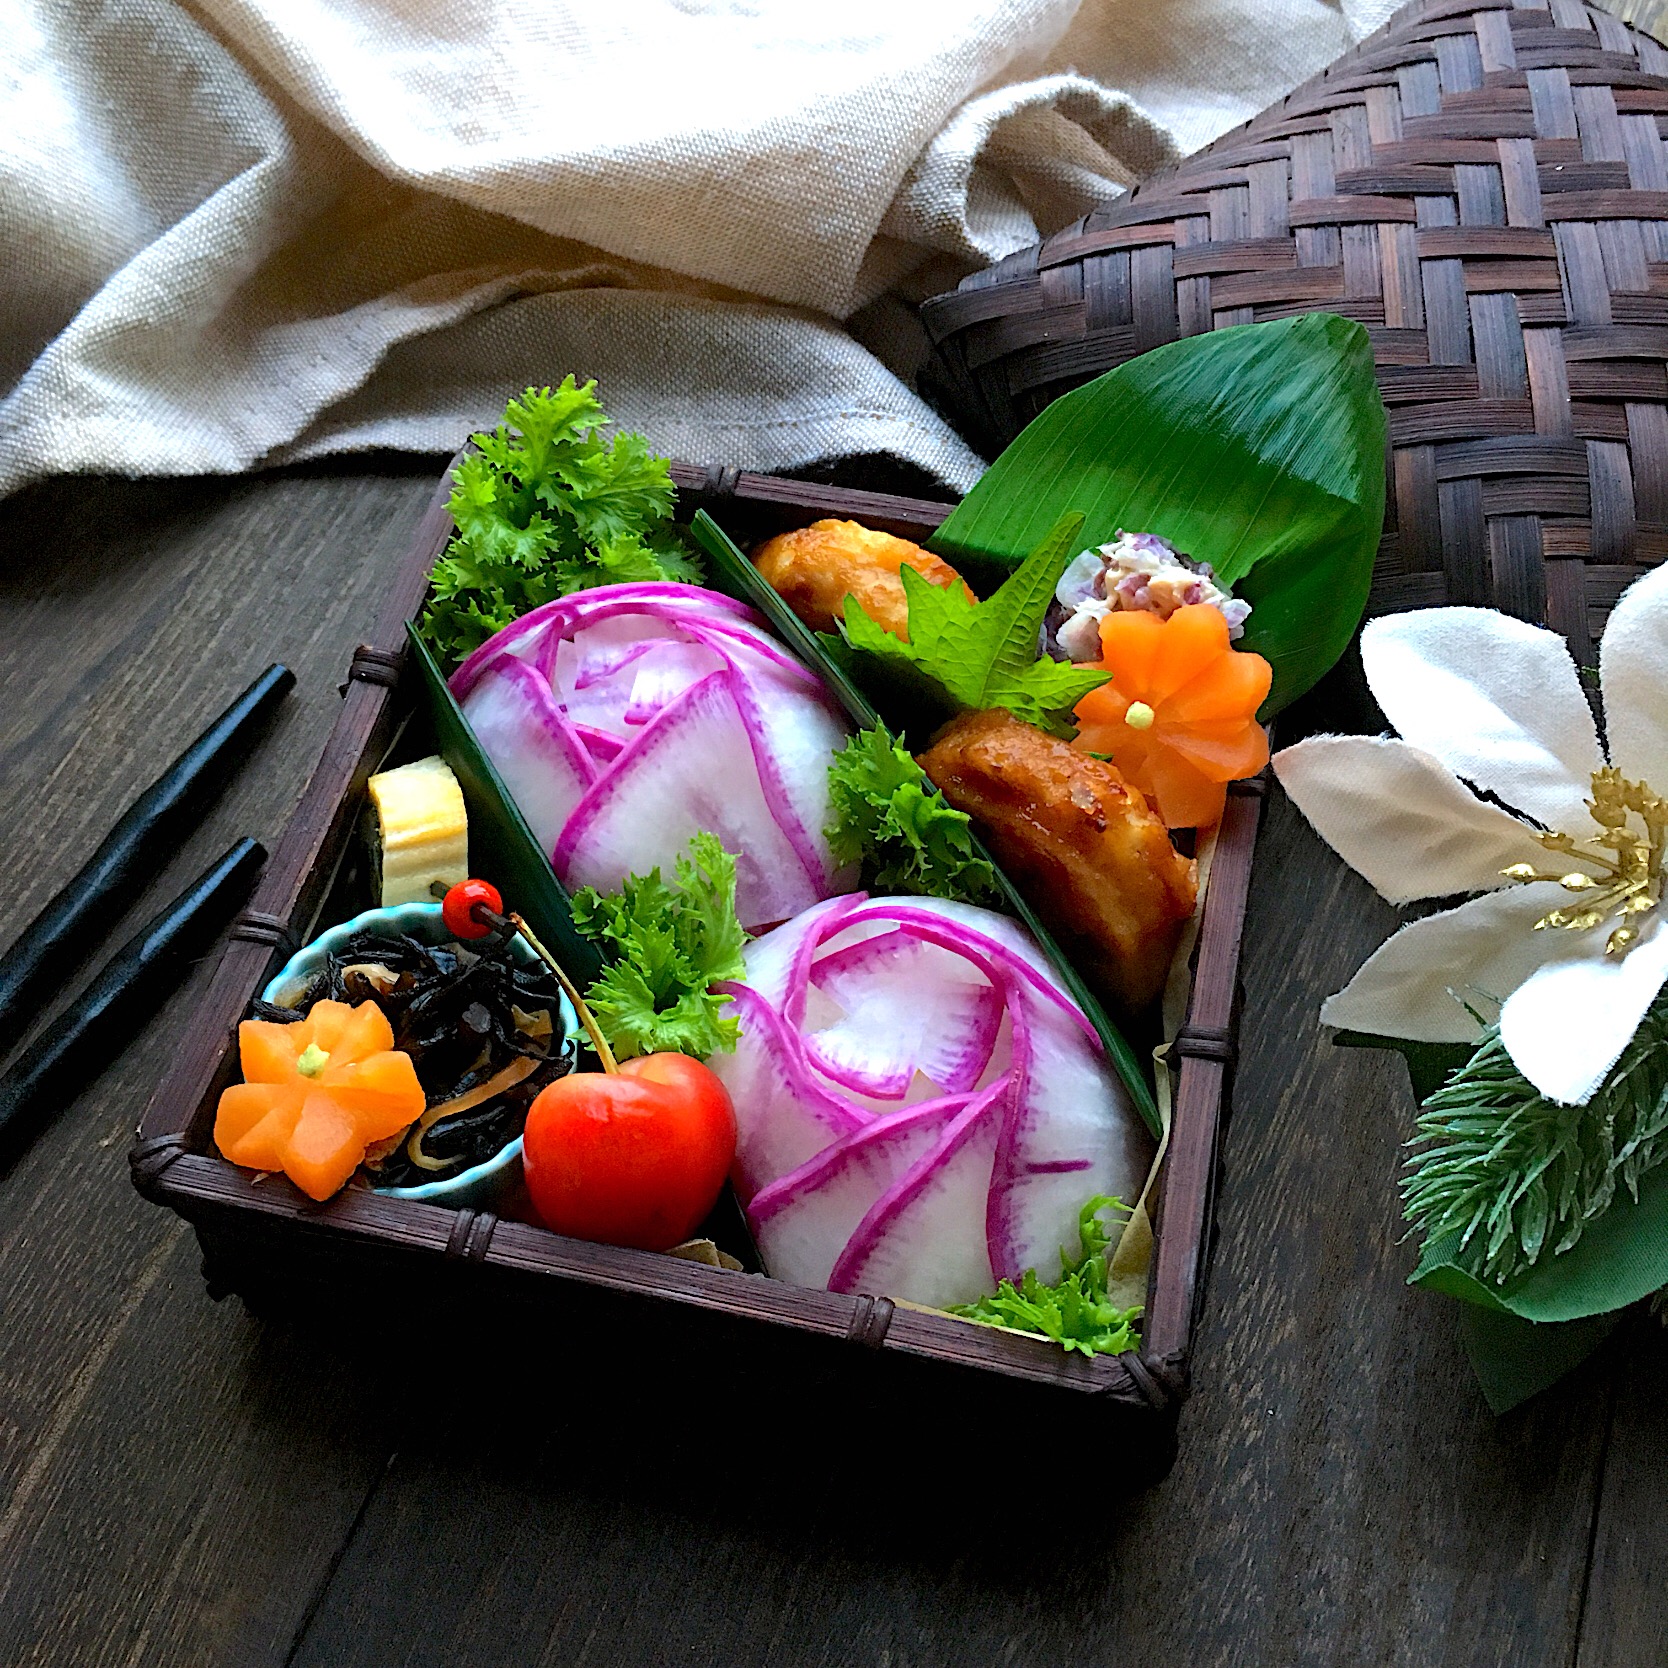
point(921, 1108)
point(626, 719)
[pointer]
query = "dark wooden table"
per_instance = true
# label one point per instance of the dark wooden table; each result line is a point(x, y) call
point(184, 1485)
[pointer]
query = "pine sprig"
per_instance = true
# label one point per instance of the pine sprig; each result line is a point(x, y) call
point(1519, 1176)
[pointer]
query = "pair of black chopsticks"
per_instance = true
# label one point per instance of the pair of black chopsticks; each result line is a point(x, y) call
point(139, 978)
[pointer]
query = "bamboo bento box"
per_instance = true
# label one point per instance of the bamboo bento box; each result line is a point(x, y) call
point(263, 1239)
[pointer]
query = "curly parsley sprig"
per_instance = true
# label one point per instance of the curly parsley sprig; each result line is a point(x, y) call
point(1076, 1312)
point(543, 507)
point(670, 943)
point(908, 837)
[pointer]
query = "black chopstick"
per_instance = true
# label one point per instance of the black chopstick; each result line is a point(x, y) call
point(124, 994)
point(151, 830)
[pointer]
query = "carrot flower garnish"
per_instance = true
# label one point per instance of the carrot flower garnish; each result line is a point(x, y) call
point(1179, 716)
point(317, 1094)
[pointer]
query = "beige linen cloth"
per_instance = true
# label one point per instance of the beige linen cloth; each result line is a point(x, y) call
point(243, 232)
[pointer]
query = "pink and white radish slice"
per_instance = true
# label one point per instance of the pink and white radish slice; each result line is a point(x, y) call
point(907, 1007)
point(543, 759)
point(626, 718)
point(922, 1109)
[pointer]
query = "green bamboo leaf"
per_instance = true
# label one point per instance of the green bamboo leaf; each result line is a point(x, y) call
point(1258, 449)
point(501, 845)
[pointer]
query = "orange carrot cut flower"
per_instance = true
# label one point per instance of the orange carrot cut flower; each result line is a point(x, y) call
point(317, 1094)
point(1179, 716)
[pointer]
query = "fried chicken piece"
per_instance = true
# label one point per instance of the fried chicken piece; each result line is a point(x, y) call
point(815, 568)
point(1078, 841)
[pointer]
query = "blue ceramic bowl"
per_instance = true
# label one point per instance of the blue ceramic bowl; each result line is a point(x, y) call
point(492, 1185)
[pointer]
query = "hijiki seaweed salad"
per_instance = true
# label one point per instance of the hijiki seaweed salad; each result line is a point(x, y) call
point(483, 1031)
point(883, 877)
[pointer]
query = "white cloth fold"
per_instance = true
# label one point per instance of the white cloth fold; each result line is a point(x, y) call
point(251, 230)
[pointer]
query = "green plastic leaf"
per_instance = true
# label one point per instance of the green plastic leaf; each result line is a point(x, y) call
point(1429, 1065)
point(967, 656)
point(502, 848)
point(1516, 1359)
point(1258, 449)
point(1622, 1257)
point(735, 576)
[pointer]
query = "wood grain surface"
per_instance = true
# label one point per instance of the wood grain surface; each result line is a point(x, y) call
point(183, 1484)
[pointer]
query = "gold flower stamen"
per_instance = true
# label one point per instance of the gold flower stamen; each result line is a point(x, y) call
point(1629, 877)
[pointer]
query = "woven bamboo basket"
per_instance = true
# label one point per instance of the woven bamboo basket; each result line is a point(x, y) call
point(419, 1264)
point(1483, 184)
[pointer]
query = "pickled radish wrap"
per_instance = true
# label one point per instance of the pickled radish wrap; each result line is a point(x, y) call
point(922, 1109)
point(626, 719)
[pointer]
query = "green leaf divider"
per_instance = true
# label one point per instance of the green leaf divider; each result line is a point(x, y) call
point(501, 845)
point(736, 577)
point(1259, 449)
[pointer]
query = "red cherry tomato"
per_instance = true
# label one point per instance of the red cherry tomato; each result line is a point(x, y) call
point(634, 1158)
point(457, 908)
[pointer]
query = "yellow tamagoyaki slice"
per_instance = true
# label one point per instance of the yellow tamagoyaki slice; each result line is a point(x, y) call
point(421, 832)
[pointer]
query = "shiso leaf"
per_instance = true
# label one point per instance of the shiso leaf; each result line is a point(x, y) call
point(1258, 449)
point(1075, 1312)
point(966, 656)
point(735, 576)
point(891, 818)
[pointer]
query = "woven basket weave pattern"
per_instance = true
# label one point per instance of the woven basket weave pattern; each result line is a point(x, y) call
point(1485, 188)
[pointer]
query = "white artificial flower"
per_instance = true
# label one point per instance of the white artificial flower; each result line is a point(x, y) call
point(1487, 705)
